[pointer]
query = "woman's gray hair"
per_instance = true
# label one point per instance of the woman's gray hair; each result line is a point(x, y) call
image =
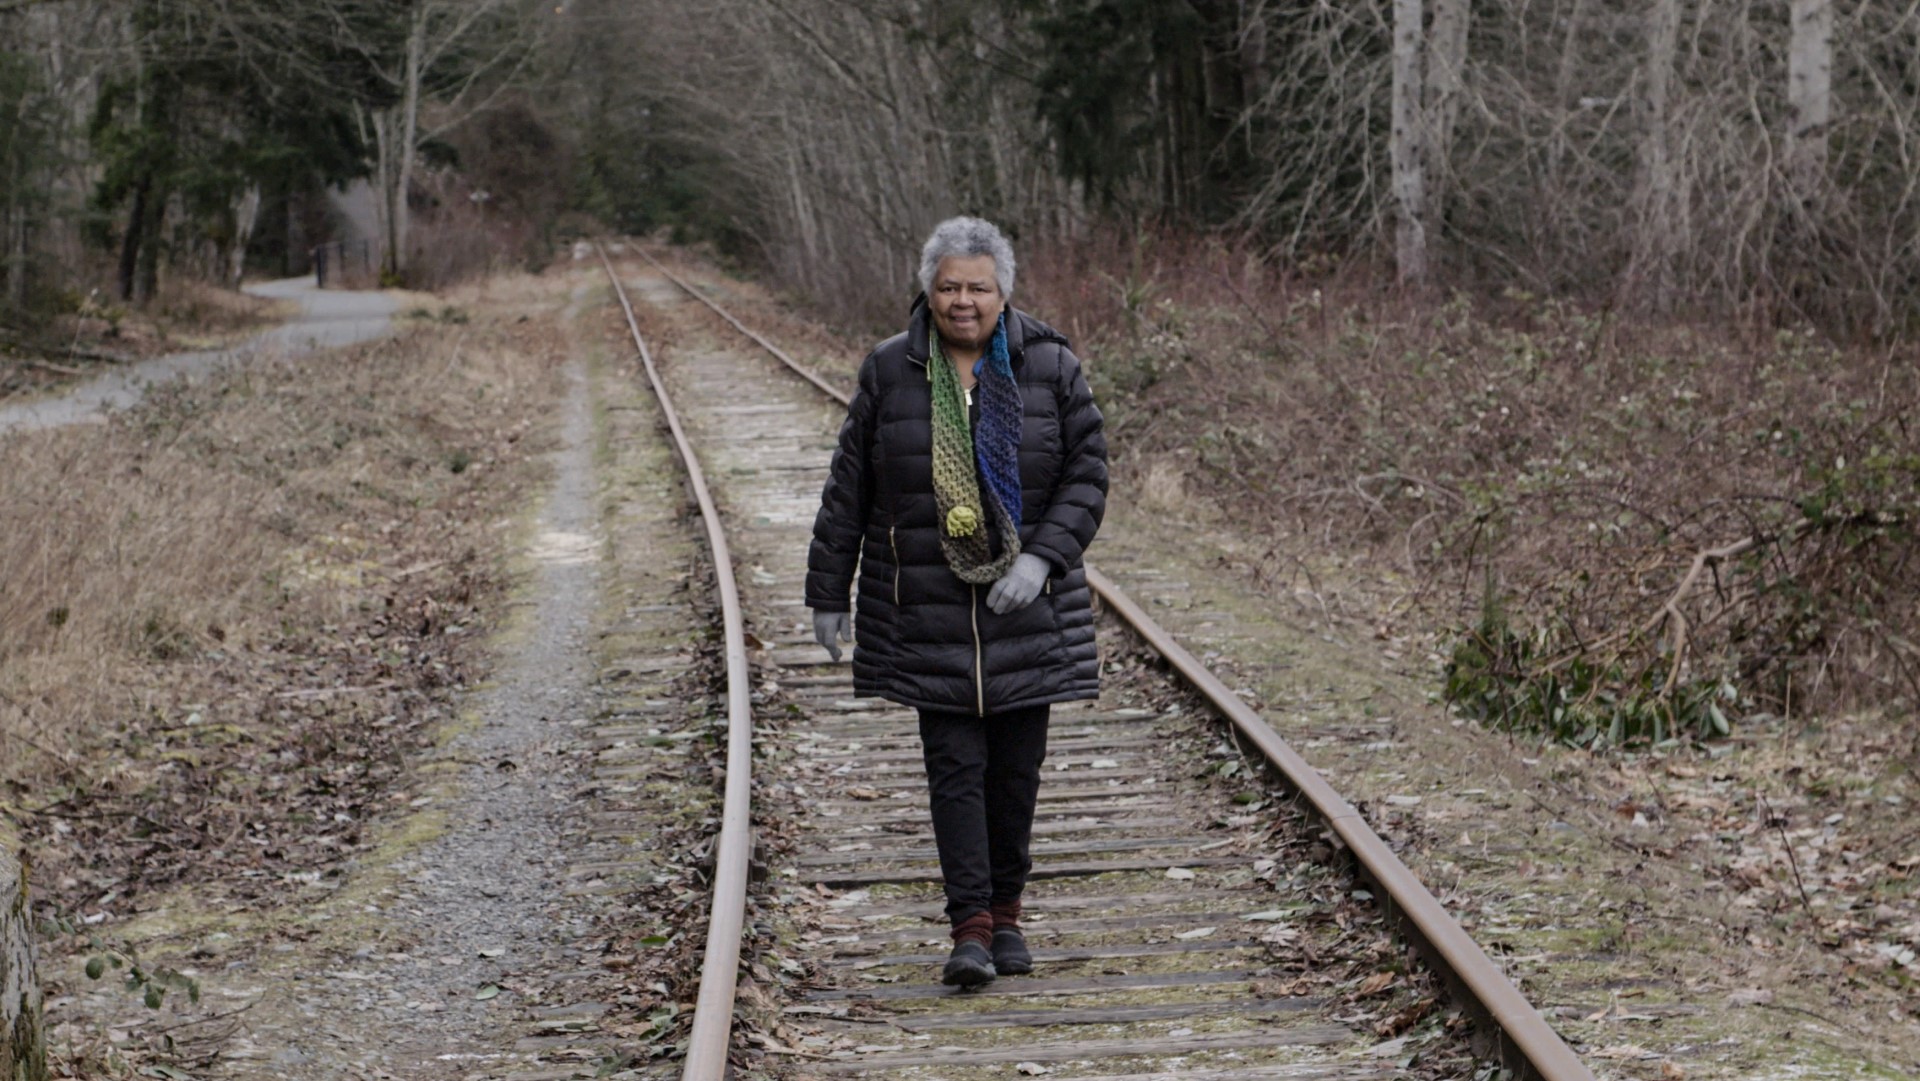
point(964, 238)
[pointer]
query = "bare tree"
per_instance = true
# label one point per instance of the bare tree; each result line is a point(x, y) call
point(849, 128)
point(444, 62)
point(1630, 152)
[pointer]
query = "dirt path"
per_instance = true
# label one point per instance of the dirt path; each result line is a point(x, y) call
point(476, 903)
point(327, 319)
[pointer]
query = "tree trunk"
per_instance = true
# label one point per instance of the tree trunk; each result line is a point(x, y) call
point(13, 218)
point(16, 239)
point(146, 279)
point(130, 243)
point(1651, 270)
point(1446, 83)
point(399, 214)
point(380, 126)
point(395, 132)
point(1809, 97)
point(17, 263)
point(244, 217)
point(1406, 147)
point(23, 1048)
point(1253, 67)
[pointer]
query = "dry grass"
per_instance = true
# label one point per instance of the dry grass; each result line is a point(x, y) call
point(247, 577)
point(189, 309)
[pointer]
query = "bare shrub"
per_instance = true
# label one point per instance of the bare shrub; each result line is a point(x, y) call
point(1642, 529)
point(465, 235)
point(1163, 488)
point(186, 305)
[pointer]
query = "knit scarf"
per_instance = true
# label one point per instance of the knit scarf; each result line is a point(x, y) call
point(996, 449)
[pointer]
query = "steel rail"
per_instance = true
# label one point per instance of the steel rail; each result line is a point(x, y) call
point(712, 1034)
point(1527, 1045)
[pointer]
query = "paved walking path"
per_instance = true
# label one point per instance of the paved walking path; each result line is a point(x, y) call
point(328, 318)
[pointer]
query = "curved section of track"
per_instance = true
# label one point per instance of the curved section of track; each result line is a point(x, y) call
point(1525, 1043)
point(713, 1012)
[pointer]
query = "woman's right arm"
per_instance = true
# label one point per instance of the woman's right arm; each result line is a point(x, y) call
point(845, 503)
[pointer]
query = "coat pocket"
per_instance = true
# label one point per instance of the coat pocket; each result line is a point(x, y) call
point(893, 545)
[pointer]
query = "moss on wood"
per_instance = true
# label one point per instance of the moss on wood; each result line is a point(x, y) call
point(23, 1049)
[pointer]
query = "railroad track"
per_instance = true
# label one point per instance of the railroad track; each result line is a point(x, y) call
point(1184, 920)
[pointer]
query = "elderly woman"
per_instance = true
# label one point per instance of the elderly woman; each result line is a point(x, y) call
point(970, 476)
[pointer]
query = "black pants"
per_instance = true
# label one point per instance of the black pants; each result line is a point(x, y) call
point(983, 777)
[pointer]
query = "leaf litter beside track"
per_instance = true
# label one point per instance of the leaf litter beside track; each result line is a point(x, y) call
point(1626, 934)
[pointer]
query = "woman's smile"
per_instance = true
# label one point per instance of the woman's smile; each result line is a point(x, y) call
point(967, 302)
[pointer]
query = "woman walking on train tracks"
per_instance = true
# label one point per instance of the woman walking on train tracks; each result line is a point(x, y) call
point(970, 476)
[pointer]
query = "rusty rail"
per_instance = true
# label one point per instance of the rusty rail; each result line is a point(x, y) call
point(719, 973)
point(1526, 1044)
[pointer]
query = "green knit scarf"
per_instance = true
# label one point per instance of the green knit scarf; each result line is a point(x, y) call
point(956, 487)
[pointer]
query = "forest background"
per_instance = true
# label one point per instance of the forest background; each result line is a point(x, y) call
point(1580, 332)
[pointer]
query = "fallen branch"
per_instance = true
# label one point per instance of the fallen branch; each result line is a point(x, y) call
point(329, 692)
point(1780, 825)
point(94, 354)
point(1670, 609)
point(237, 1011)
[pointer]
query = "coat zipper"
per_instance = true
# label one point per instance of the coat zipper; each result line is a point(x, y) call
point(891, 543)
point(979, 677)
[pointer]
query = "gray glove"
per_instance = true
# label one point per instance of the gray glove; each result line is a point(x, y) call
point(1019, 586)
point(830, 629)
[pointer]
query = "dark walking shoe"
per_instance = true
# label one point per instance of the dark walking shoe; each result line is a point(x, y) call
point(968, 966)
point(1010, 956)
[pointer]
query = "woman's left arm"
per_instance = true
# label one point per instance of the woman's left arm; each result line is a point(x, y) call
point(1080, 494)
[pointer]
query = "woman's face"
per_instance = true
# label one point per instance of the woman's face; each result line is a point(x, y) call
point(966, 300)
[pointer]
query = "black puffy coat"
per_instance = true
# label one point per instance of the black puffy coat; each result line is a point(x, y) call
point(924, 637)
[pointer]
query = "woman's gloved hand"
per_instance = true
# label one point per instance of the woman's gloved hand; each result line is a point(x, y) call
point(832, 628)
point(1019, 586)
